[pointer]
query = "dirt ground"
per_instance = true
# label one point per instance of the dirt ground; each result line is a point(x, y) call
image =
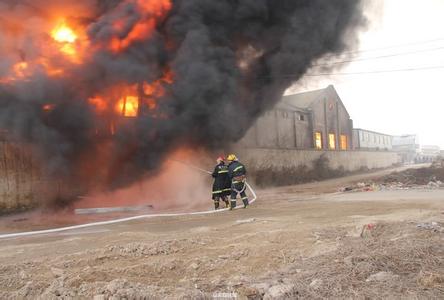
point(304, 241)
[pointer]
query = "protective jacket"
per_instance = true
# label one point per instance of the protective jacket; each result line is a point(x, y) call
point(236, 170)
point(222, 183)
point(237, 174)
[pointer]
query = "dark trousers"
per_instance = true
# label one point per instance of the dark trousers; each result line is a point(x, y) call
point(238, 188)
point(220, 197)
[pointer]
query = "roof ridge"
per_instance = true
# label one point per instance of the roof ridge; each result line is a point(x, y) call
point(306, 92)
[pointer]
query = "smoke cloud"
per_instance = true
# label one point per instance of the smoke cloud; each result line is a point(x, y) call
point(201, 70)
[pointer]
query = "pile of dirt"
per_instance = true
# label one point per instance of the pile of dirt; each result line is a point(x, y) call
point(438, 162)
point(421, 176)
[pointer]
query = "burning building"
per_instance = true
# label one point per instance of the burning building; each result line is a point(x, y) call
point(101, 91)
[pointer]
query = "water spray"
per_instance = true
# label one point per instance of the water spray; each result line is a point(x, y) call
point(190, 165)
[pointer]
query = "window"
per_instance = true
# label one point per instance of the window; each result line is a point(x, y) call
point(344, 142)
point(301, 117)
point(318, 140)
point(331, 141)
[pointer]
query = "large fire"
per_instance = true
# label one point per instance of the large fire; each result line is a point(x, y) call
point(70, 45)
point(63, 34)
point(71, 41)
point(104, 90)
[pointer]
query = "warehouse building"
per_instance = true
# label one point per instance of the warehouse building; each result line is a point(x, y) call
point(370, 140)
point(312, 120)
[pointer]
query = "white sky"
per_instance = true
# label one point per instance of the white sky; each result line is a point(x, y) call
point(399, 102)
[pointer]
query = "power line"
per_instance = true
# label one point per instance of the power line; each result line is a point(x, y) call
point(388, 47)
point(354, 73)
point(378, 57)
point(367, 72)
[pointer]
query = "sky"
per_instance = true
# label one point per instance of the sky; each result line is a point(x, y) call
point(410, 34)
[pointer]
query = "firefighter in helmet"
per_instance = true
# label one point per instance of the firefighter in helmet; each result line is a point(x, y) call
point(222, 183)
point(237, 174)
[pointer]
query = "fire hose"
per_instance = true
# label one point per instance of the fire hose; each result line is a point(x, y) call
point(244, 181)
point(122, 220)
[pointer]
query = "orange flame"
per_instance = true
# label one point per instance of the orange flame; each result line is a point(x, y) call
point(63, 34)
point(99, 104)
point(128, 106)
point(152, 11)
point(67, 39)
point(20, 69)
point(48, 107)
point(139, 32)
point(156, 89)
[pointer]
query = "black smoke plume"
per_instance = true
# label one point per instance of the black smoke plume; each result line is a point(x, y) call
point(230, 60)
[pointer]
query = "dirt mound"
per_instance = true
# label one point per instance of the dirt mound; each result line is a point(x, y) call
point(419, 178)
point(422, 176)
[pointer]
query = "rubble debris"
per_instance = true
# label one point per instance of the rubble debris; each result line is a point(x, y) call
point(142, 249)
point(346, 189)
point(430, 280)
point(422, 178)
point(194, 266)
point(245, 221)
point(418, 177)
point(436, 184)
point(438, 163)
point(316, 284)
point(382, 277)
point(57, 272)
point(261, 288)
point(279, 291)
point(360, 187)
point(433, 226)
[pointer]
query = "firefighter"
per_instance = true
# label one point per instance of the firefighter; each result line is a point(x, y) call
point(222, 183)
point(237, 174)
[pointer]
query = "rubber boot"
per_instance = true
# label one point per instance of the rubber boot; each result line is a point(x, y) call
point(216, 205)
point(233, 204)
point(245, 201)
